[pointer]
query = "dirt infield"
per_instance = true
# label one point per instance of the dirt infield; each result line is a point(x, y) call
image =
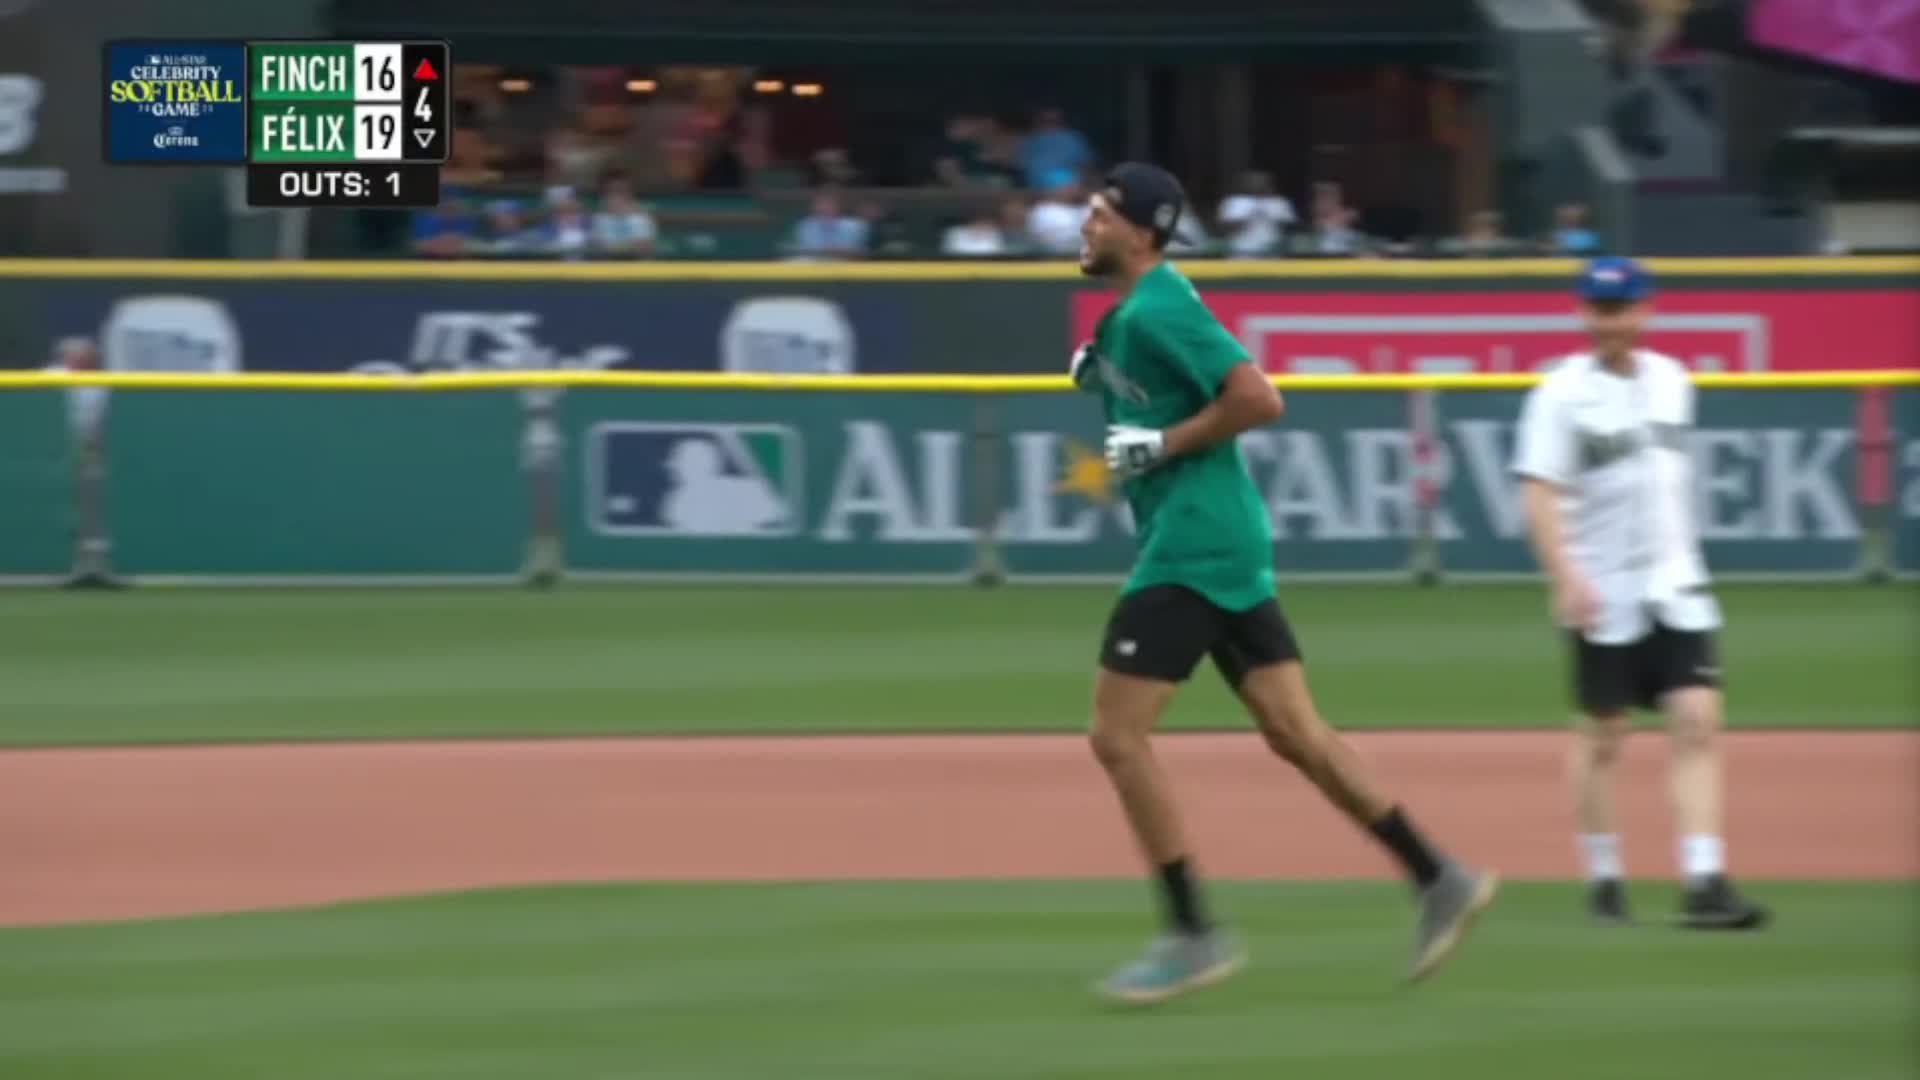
point(122, 833)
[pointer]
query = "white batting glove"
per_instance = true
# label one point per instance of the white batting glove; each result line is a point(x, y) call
point(1133, 450)
point(1084, 367)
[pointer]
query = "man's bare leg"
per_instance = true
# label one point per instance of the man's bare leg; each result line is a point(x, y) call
point(1192, 954)
point(1125, 710)
point(1590, 770)
point(1693, 722)
point(1451, 895)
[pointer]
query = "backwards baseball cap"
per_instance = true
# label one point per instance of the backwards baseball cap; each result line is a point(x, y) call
point(1146, 195)
point(1616, 279)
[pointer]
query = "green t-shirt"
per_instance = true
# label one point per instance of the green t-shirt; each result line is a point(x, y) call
point(1199, 519)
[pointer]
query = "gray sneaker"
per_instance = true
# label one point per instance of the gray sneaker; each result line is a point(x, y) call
point(1448, 908)
point(1174, 964)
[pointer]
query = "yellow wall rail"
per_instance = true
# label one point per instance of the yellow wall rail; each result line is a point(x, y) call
point(1837, 268)
point(949, 384)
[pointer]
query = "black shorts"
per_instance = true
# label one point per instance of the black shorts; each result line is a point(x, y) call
point(1162, 631)
point(1614, 678)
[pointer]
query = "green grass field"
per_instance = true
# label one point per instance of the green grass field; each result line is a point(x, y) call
point(173, 665)
point(832, 982)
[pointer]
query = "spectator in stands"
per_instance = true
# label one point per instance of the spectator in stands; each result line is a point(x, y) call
point(622, 227)
point(975, 152)
point(1571, 233)
point(1335, 224)
point(830, 232)
point(1052, 148)
point(833, 168)
point(505, 231)
point(447, 231)
point(1255, 218)
point(958, 156)
point(1054, 223)
point(979, 235)
point(568, 232)
point(1485, 238)
point(949, 173)
point(886, 232)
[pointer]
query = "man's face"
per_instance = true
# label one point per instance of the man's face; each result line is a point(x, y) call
point(1107, 240)
point(1614, 323)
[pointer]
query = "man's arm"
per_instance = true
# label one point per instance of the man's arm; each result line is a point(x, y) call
point(1239, 397)
point(1544, 462)
point(1575, 604)
point(1246, 400)
point(1541, 499)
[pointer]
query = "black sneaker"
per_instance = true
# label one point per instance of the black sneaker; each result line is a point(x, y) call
point(1713, 904)
point(1607, 902)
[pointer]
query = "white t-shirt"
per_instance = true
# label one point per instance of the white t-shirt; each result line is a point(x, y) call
point(1056, 227)
point(1255, 221)
point(623, 230)
point(973, 240)
point(1617, 448)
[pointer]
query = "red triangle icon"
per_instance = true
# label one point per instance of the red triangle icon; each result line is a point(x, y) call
point(425, 72)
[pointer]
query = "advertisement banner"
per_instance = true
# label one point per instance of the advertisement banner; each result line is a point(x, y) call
point(409, 326)
point(1346, 333)
point(1904, 445)
point(286, 483)
point(915, 317)
point(36, 484)
point(671, 482)
point(867, 483)
point(1879, 37)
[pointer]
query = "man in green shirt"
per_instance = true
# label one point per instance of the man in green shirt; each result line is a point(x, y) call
point(1178, 389)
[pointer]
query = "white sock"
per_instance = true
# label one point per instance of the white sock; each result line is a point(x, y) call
point(1602, 851)
point(1702, 855)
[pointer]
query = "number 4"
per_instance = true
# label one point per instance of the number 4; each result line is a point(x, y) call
point(421, 110)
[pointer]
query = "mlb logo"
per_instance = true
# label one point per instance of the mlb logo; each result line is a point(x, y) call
point(694, 480)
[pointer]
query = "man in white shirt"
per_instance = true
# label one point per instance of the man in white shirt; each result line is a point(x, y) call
point(1055, 221)
point(1255, 218)
point(1603, 461)
point(978, 236)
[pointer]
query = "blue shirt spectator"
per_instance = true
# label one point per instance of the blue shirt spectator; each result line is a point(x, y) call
point(445, 230)
point(829, 231)
point(1571, 236)
point(1053, 153)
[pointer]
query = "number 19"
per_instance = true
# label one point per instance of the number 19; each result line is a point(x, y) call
point(383, 125)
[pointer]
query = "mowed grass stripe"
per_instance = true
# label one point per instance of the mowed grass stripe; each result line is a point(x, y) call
point(953, 980)
point(158, 666)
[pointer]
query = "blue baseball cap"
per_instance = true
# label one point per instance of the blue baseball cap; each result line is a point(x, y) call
point(1615, 278)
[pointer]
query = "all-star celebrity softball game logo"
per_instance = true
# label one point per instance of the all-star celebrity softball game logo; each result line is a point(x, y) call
point(175, 102)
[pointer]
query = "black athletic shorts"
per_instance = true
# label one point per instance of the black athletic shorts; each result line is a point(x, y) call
point(1614, 678)
point(1162, 631)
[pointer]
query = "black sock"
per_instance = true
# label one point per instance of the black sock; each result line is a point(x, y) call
point(1407, 845)
point(1183, 898)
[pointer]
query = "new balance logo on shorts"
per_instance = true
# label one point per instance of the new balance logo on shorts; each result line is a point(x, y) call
point(694, 480)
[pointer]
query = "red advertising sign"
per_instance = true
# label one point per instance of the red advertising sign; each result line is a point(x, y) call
point(1330, 333)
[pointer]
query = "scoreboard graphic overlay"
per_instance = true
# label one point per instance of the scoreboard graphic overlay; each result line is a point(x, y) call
point(317, 123)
